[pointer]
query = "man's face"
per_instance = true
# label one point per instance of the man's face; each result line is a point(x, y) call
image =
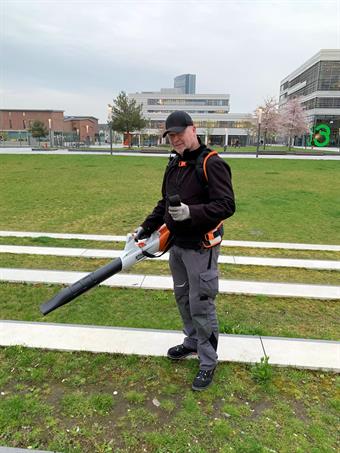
point(187, 139)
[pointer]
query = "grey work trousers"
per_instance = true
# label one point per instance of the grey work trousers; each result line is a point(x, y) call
point(195, 277)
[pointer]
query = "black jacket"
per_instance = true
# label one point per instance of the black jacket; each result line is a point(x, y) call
point(208, 206)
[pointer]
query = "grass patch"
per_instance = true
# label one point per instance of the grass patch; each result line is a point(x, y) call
point(237, 314)
point(226, 271)
point(294, 412)
point(234, 251)
point(276, 200)
point(44, 241)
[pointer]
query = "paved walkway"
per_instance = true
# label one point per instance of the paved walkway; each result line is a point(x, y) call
point(21, 450)
point(139, 154)
point(165, 282)
point(299, 353)
point(223, 259)
point(110, 238)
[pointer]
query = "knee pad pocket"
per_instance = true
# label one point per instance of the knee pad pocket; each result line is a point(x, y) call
point(181, 292)
point(202, 325)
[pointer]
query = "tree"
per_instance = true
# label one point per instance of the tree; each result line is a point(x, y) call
point(3, 136)
point(127, 116)
point(293, 120)
point(270, 118)
point(38, 130)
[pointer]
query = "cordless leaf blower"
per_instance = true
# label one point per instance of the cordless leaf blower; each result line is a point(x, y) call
point(157, 244)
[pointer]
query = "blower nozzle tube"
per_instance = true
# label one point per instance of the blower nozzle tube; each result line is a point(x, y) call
point(81, 286)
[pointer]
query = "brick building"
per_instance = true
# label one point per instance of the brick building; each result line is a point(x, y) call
point(15, 125)
point(86, 127)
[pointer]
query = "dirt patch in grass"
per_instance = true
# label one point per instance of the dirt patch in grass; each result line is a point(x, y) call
point(105, 403)
point(258, 408)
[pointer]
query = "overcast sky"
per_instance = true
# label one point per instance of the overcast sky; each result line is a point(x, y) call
point(77, 55)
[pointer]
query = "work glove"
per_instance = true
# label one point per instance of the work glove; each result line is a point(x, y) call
point(179, 213)
point(140, 233)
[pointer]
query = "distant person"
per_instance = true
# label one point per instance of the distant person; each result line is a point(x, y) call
point(197, 231)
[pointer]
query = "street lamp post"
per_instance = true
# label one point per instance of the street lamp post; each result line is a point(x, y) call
point(87, 135)
point(259, 120)
point(109, 121)
point(49, 129)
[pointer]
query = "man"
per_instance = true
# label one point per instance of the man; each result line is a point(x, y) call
point(193, 255)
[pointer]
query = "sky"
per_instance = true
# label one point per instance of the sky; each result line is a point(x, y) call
point(77, 55)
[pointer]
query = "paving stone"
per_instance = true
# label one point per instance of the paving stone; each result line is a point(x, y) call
point(22, 450)
point(279, 289)
point(301, 353)
point(227, 243)
point(298, 353)
point(236, 348)
point(165, 282)
point(223, 259)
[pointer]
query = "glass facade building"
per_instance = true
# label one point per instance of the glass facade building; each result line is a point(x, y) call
point(317, 84)
point(210, 113)
point(186, 83)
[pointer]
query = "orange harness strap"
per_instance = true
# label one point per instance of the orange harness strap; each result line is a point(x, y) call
point(212, 153)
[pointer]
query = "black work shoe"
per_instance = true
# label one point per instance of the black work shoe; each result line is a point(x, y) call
point(180, 352)
point(203, 379)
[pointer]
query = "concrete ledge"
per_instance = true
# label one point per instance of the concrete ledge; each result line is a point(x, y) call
point(298, 353)
point(223, 259)
point(165, 282)
point(109, 238)
point(22, 450)
point(119, 340)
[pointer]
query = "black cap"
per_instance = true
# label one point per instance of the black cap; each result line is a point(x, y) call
point(177, 121)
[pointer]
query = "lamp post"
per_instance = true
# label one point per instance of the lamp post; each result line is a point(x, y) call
point(87, 135)
point(109, 122)
point(225, 139)
point(259, 120)
point(49, 129)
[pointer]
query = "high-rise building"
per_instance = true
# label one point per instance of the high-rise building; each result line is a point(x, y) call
point(186, 83)
point(317, 83)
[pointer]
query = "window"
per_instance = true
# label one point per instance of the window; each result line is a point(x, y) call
point(328, 103)
point(174, 101)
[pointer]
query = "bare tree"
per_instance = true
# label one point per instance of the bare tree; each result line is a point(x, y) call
point(293, 120)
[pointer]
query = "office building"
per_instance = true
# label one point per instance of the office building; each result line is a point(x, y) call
point(185, 83)
point(317, 83)
point(210, 113)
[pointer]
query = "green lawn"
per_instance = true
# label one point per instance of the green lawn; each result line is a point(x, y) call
point(238, 314)
point(157, 267)
point(289, 201)
point(102, 403)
